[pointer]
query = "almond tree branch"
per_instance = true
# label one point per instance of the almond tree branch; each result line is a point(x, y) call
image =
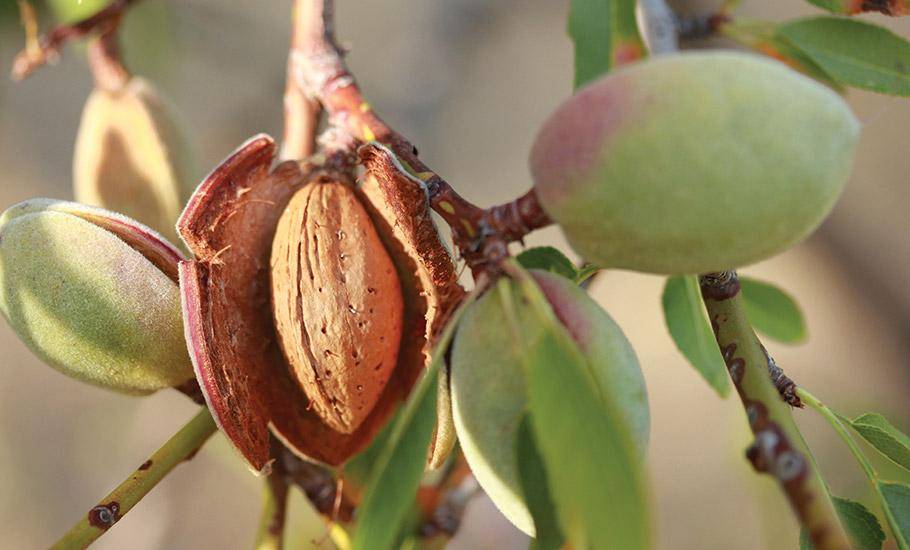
point(318, 68)
point(778, 448)
point(182, 446)
point(104, 22)
point(301, 111)
point(270, 534)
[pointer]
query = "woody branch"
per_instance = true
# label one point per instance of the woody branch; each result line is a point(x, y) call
point(317, 67)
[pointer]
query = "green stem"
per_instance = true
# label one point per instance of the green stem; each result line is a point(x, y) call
point(778, 449)
point(841, 430)
point(864, 463)
point(270, 534)
point(181, 446)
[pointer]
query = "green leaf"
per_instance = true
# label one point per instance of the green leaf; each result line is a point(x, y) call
point(533, 477)
point(897, 501)
point(396, 474)
point(684, 313)
point(772, 311)
point(854, 53)
point(886, 439)
point(549, 259)
point(834, 6)
point(604, 32)
point(862, 526)
point(596, 478)
point(585, 272)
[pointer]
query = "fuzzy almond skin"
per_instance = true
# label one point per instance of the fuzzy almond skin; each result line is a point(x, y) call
point(89, 304)
point(693, 162)
point(488, 389)
point(337, 303)
point(130, 157)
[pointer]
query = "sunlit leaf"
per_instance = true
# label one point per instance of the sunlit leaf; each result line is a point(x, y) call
point(605, 33)
point(533, 476)
point(897, 500)
point(684, 313)
point(397, 471)
point(853, 52)
point(886, 439)
point(772, 311)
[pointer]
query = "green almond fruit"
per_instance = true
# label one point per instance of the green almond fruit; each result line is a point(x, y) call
point(93, 294)
point(131, 157)
point(693, 162)
point(488, 387)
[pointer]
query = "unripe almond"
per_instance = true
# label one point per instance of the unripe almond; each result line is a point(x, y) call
point(693, 162)
point(94, 294)
point(337, 302)
point(130, 156)
point(488, 381)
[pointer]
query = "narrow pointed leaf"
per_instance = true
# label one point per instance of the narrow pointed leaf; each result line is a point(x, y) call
point(773, 312)
point(862, 526)
point(688, 324)
point(854, 53)
point(598, 488)
point(886, 439)
point(854, 7)
point(536, 491)
point(395, 476)
point(605, 33)
point(897, 500)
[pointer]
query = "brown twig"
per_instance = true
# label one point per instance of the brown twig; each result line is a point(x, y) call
point(778, 448)
point(318, 67)
point(301, 111)
point(48, 48)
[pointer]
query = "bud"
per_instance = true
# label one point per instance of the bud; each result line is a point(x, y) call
point(488, 387)
point(130, 156)
point(94, 294)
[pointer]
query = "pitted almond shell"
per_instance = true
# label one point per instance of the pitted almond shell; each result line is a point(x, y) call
point(336, 301)
point(94, 294)
point(130, 156)
point(229, 224)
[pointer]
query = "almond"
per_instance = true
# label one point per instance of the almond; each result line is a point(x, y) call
point(337, 302)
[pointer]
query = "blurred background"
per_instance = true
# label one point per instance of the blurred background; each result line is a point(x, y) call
point(468, 81)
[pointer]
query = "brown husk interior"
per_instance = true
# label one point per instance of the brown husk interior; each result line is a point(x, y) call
point(229, 224)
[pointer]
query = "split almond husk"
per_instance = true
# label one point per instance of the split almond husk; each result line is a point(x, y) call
point(130, 156)
point(230, 224)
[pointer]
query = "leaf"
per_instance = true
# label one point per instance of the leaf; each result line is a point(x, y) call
point(605, 32)
point(862, 526)
point(772, 311)
point(854, 52)
point(585, 272)
point(897, 501)
point(886, 439)
point(548, 258)
point(395, 476)
point(761, 36)
point(596, 478)
point(687, 322)
point(533, 477)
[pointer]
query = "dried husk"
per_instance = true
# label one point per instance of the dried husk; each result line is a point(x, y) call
point(130, 156)
point(398, 205)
